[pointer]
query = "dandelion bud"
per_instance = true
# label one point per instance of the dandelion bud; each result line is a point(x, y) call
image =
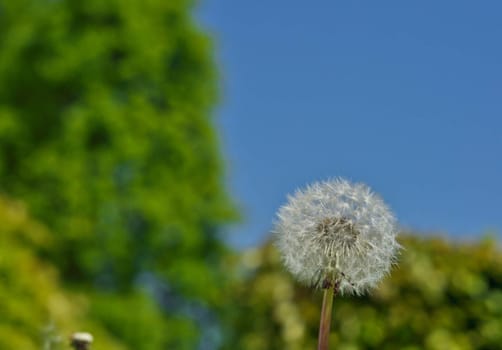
point(81, 340)
point(336, 233)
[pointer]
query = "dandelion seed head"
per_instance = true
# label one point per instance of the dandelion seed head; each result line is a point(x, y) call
point(81, 340)
point(337, 232)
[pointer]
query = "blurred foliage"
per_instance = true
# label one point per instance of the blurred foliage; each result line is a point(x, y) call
point(104, 132)
point(106, 137)
point(35, 310)
point(441, 296)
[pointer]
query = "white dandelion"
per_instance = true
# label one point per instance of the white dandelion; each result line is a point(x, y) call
point(337, 233)
point(81, 340)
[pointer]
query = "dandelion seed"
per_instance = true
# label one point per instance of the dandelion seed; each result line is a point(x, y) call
point(336, 232)
point(339, 237)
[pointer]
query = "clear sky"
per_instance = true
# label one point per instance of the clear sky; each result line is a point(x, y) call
point(405, 96)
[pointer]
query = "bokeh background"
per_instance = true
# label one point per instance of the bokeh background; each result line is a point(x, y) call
point(145, 146)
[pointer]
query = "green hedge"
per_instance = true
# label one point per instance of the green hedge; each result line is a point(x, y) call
point(35, 308)
point(442, 295)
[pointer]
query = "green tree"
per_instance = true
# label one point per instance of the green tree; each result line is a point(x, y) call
point(105, 134)
point(442, 295)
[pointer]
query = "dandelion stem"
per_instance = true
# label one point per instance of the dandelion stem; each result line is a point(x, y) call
point(324, 326)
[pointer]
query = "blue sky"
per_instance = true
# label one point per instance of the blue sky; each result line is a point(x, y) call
point(405, 96)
